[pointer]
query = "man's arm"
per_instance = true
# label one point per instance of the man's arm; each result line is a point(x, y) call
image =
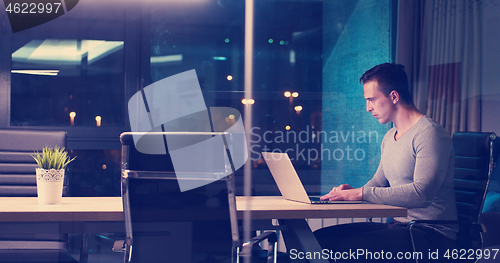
point(433, 155)
point(344, 192)
point(378, 179)
point(347, 192)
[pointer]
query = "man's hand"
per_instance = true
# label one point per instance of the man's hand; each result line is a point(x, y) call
point(344, 192)
point(341, 187)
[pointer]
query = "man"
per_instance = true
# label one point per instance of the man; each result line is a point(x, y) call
point(415, 171)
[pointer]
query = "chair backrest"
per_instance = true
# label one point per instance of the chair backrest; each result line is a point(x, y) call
point(132, 159)
point(18, 178)
point(475, 155)
point(17, 167)
point(194, 221)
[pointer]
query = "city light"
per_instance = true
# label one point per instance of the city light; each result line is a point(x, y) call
point(72, 116)
point(229, 77)
point(295, 94)
point(287, 127)
point(98, 121)
point(248, 101)
point(288, 94)
point(298, 108)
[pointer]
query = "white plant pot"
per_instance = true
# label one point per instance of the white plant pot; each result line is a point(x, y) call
point(49, 186)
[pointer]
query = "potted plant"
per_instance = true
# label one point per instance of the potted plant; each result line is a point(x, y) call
point(50, 173)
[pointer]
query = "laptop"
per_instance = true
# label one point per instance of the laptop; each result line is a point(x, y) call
point(289, 183)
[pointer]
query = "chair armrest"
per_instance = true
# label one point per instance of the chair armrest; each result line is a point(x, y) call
point(248, 246)
point(491, 221)
point(119, 246)
point(477, 225)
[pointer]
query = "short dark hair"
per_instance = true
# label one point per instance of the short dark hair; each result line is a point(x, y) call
point(389, 76)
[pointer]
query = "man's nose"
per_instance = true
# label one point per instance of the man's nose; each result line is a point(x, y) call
point(369, 108)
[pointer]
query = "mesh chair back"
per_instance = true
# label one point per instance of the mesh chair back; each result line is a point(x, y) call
point(197, 220)
point(132, 159)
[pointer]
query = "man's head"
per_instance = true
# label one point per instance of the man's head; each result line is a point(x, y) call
point(389, 77)
point(385, 87)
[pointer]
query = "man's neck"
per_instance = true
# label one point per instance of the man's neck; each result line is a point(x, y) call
point(406, 117)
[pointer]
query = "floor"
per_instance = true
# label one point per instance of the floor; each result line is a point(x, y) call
point(100, 249)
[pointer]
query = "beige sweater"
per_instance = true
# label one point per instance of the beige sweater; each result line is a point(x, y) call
point(416, 172)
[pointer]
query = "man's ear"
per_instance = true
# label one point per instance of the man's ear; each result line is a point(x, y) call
point(394, 96)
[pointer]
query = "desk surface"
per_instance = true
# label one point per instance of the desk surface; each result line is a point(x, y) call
point(27, 209)
point(276, 207)
point(92, 209)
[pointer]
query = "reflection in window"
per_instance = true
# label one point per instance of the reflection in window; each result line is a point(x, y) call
point(67, 82)
point(95, 173)
point(308, 57)
point(209, 37)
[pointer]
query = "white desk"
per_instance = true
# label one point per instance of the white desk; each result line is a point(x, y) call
point(296, 232)
point(105, 214)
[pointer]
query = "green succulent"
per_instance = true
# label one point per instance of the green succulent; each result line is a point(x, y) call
point(52, 158)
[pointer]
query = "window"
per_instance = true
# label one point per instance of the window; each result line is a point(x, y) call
point(69, 72)
point(78, 72)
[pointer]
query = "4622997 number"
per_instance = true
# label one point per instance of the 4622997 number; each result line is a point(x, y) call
point(471, 253)
point(33, 8)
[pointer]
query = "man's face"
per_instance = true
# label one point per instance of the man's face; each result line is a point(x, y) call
point(380, 106)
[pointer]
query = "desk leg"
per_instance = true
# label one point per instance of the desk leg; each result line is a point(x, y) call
point(84, 249)
point(298, 235)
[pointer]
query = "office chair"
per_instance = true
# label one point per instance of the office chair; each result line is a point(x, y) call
point(475, 156)
point(18, 178)
point(164, 223)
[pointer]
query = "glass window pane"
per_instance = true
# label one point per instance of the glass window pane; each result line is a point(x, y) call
point(69, 72)
point(357, 36)
point(95, 173)
point(308, 57)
